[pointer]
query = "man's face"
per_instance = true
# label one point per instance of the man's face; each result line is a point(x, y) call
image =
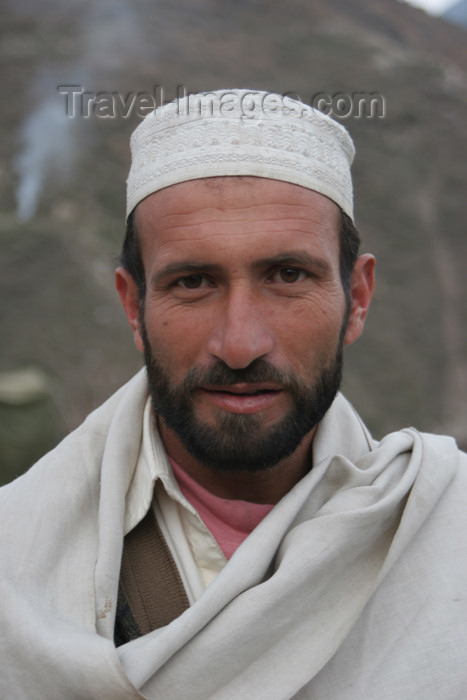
point(244, 318)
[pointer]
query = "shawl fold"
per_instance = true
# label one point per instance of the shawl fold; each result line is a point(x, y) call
point(352, 586)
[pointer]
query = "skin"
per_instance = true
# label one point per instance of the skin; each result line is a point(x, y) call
point(239, 269)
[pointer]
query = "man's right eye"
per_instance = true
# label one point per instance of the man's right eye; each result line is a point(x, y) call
point(191, 282)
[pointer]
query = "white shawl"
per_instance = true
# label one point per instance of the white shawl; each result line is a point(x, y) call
point(354, 586)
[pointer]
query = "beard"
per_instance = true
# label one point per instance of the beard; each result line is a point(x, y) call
point(239, 442)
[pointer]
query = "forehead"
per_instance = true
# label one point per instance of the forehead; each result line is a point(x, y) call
point(241, 212)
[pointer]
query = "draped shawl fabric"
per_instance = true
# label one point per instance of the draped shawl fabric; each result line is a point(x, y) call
point(354, 586)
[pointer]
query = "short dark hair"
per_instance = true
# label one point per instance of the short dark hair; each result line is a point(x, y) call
point(349, 244)
point(131, 258)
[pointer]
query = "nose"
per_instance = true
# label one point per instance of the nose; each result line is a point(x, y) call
point(241, 333)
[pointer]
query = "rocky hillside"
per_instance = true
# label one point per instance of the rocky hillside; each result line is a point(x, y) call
point(59, 240)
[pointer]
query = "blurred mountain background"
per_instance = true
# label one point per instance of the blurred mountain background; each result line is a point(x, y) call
point(457, 13)
point(65, 342)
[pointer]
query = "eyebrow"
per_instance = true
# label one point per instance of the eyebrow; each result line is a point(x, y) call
point(299, 257)
point(184, 268)
point(188, 267)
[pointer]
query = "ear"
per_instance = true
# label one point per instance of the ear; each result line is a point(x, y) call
point(361, 288)
point(128, 291)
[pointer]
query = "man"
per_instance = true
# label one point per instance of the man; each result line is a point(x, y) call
point(225, 526)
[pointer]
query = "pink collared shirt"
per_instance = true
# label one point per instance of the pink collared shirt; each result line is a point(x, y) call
point(229, 521)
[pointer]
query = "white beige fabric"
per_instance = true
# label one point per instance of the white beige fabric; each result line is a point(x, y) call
point(352, 587)
point(240, 132)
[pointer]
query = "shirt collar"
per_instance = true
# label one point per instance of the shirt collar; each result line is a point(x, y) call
point(152, 464)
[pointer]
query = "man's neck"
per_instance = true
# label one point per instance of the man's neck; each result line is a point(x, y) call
point(265, 486)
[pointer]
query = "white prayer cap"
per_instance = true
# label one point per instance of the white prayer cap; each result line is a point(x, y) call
point(241, 132)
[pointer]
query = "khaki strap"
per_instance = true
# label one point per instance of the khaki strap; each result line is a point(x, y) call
point(151, 588)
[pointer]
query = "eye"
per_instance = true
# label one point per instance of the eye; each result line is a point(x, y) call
point(192, 282)
point(290, 275)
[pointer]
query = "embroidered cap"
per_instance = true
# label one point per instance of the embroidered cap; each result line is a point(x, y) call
point(241, 132)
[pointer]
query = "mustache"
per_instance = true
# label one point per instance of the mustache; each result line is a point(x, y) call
point(220, 374)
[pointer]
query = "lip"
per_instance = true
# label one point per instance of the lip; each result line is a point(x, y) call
point(244, 397)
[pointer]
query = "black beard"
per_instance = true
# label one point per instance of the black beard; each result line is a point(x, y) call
point(238, 442)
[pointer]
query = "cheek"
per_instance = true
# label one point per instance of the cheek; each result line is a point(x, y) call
point(176, 334)
point(309, 334)
point(162, 320)
point(314, 320)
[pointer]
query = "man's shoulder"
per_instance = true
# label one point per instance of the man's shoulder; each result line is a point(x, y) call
point(79, 455)
point(58, 500)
